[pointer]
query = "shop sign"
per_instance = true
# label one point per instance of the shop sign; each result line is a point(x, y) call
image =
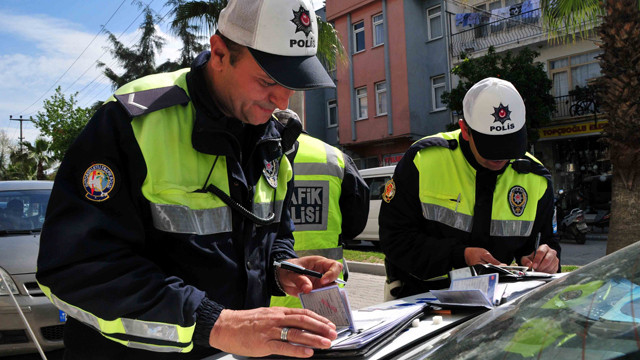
point(391, 159)
point(572, 130)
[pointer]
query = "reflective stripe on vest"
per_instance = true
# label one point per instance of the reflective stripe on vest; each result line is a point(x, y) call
point(130, 327)
point(447, 192)
point(181, 219)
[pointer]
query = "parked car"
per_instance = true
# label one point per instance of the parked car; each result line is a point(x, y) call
point(376, 178)
point(591, 313)
point(22, 209)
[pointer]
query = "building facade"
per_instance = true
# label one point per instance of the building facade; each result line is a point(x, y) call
point(400, 53)
point(388, 95)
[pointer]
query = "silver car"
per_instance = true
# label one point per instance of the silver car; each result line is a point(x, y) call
point(22, 208)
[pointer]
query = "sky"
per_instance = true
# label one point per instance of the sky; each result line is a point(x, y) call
point(45, 44)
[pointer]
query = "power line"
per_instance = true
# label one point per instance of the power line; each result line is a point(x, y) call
point(70, 66)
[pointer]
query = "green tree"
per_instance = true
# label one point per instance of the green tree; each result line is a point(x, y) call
point(527, 75)
point(619, 90)
point(140, 60)
point(40, 153)
point(6, 147)
point(22, 167)
point(61, 121)
point(205, 14)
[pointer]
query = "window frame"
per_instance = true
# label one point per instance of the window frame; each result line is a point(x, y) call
point(355, 33)
point(568, 69)
point(429, 19)
point(434, 86)
point(358, 104)
point(374, 26)
point(378, 94)
point(332, 104)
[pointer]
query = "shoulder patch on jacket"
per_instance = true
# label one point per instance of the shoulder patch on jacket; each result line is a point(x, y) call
point(146, 101)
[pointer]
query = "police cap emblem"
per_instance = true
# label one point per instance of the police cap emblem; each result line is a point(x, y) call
point(501, 113)
point(302, 20)
point(517, 200)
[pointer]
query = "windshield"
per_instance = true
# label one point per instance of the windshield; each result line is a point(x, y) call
point(22, 210)
point(592, 313)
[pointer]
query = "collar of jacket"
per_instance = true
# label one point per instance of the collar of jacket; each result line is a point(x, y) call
point(210, 121)
point(468, 155)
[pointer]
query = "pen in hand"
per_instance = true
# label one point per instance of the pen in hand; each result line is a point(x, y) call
point(300, 270)
point(535, 249)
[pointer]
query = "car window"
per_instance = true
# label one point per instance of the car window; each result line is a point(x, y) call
point(376, 186)
point(23, 210)
point(592, 313)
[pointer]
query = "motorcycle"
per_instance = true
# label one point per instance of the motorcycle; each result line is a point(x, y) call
point(598, 219)
point(571, 225)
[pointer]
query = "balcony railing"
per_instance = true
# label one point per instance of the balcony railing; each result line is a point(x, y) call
point(569, 106)
point(504, 31)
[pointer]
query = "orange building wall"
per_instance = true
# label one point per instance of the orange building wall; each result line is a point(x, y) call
point(369, 68)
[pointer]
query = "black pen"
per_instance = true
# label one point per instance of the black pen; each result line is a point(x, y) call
point(535, 249)
point(300, 270)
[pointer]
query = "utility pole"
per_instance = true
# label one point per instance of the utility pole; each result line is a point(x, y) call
point(21, 138)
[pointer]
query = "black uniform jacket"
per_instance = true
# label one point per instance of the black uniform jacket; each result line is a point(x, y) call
point(354, 201)
point(418, 249)
point(108, 259)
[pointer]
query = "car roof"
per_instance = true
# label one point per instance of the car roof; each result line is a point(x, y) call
point(383, 170)
point(25, 185)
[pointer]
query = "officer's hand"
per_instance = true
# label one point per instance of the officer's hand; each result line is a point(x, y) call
point(546, 260)
point(293, 283)
point(257, 332)
point(475, 255)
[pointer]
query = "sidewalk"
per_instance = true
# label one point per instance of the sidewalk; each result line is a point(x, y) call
point(365, 286)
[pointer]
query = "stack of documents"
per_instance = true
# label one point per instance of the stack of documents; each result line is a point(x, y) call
point(362, 327)
point(372, 323)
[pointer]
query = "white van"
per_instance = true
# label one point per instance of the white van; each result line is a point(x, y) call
point(376, 178)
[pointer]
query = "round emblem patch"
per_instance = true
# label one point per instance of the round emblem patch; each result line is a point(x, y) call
point(517, 200)
point(270, 173)
point(98, 181)
point(389, 191)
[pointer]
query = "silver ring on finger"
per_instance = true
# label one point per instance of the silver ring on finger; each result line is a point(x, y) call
point(284, 333)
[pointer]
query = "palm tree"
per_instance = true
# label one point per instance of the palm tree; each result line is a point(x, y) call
point(620, 96)
point(21, 166)
point(205, 14)
point(40, 153)
point(137, 61)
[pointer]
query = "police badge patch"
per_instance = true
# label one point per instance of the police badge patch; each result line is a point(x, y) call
point(389, 191)
point(270, 172)
point(98, 181)
point(517, 200)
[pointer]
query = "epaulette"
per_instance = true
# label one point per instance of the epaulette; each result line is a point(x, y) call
point(530, 165)
point(432, 141)
point(146, 101)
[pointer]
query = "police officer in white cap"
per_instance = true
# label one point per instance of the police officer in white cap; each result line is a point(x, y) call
point(466, 197)
point(169, 213)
